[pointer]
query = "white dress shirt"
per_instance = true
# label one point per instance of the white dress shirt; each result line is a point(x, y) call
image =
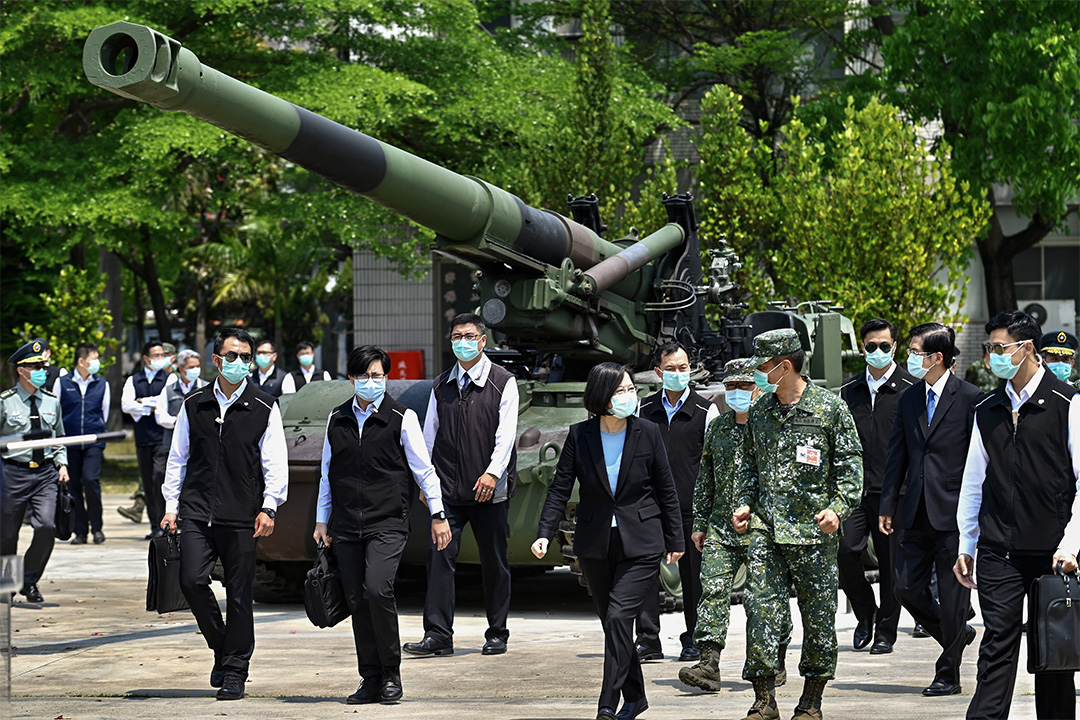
point(875, 385)
point(506, 433)
point(967, 511)
point(416, 452)
point(131, 405)
point(711, 414)
point(288, 385)
point(161, 411)
point(275, 455)
point(82, 384)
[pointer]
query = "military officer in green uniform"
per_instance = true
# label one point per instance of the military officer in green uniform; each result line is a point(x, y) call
point(800, 477)
point(723, 550)
point(30, 477)
point(1059, 353)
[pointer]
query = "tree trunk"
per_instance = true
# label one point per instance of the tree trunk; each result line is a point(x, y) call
point(997, 252)
point(110, 267)
point(153, 289)
point(200, 314)
point(140, 314)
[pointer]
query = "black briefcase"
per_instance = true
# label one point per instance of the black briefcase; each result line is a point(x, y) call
point(163, 594)
point(64, 520)
point(1054, 624)
point(324, 595)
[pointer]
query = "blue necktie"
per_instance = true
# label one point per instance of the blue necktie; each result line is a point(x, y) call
point(931, 403)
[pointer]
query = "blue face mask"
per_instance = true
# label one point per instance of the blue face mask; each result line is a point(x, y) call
point(1002, 365)
point(465, 350)
point(879, 359)
point(915, 366)
point(739, 400)
point(676, 381)
point(761, 379)
point(192, 374)
point(306, 360)
point(159, 363)
point(1061, 370)
point(94, 366)
point(623, 406)
point(38, 377)
point(369, 390)
point(263, 361)
point(234, 371)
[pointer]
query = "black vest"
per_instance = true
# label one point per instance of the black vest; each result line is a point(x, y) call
point(147, 431)
point(299, 381)
point(1029, 488)
point(684, 438)
point(224, 481)
point(874, 421)
point(272, 386)
point(370, 480)
point(466, 438)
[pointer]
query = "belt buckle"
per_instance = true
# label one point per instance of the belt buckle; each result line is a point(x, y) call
point(34, 465)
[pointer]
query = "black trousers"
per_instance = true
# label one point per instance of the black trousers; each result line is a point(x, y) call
point(1003, 583)
point(155, 501)
point(231, 639)
point(923, 552)
point(648, 620)
point(859, 528)
point(34, 491)
point(491, 528)
point(368, 569)
point(618, 584)
point(84, 468)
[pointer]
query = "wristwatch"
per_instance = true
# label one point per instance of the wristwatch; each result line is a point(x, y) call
point(269, 513)
point(441, 515)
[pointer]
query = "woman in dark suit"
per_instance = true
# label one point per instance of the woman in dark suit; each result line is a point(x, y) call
point(627, 516)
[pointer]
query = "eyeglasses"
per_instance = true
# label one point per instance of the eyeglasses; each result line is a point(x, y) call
point(920, 353)
point(377, 377)
point(624, 389)
point(999, 348)
point(470, 337)
point(232, 356)
point(873, 346)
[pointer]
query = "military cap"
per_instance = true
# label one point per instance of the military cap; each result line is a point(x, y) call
point(31, 352)
point(768, 345)
point(1059, 343)
point(169, 348)
point(738, 370)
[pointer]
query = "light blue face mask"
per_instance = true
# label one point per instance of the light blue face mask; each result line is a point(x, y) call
point(1061, 370)
point(676, 381)
point(369, 390)
point(38, 377)
point(465, 350)
point(738, 399)
point(94, 366)
point(1002, 365)
point(623, 406)
point(192, 374)
point(159, 363)
point(915, 366)
point(879, 359)
point(234, 371)
point(761, 379)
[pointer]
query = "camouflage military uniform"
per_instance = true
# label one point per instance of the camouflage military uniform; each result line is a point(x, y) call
point(797, 463)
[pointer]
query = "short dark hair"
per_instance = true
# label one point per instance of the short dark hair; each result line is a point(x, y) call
point(662, 351)
point(1017, 323)
point(233, 332)
point(876, 325)
point(601, 384)
point(150, 345)
point(937, 338)
point(469, 319)
point(273, 347)
point(360, 359)
point(797, 359)
point(83, 350)
point(304, 345)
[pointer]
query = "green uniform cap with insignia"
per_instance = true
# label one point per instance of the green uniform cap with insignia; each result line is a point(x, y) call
point(769, 344)
point(169, 348)
point(1059, 343)
point(738, 370)
point(31, 352)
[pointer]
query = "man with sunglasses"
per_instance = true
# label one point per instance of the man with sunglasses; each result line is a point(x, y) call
point(933, 419)
point(227, 474)
point(30, 477)
point(872, 397)
point(1020, 507)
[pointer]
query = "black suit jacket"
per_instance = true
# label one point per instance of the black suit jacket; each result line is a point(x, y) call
point(645, 504)
point(272, 386)
point(874, 420)
point(930, 457)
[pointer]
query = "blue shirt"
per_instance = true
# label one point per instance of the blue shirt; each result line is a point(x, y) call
point(613, 448)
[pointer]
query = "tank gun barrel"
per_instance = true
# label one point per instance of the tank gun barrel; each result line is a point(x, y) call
point(616, 268)
point(481, 222)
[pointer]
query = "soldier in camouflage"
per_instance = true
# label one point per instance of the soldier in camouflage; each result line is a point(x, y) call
point(723, 550)
point(801, 476)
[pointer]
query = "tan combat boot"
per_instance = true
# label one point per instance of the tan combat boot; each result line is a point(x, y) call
point(781, 667)
point(764, 707)
point(809, 707)
point(706, 673)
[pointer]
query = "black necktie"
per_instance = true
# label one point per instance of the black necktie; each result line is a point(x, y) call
point(37, 455)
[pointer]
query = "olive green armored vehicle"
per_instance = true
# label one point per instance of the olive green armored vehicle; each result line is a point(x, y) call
point(558, 296)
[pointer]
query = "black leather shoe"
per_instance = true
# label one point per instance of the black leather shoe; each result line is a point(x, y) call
point(391, 686)
point(232, 688)
point(631, 709)
point(32, 593)
point(370, 691)
point(78, 540)
point(217, 675)
point(864, 631)
point(99, 537)
point(969, 636)
point(428, 646)
point(919, 631)
point(494, 646)
point(690, 653)
point(645, 654)
point(881, 646)
point(941, 688)
point(605, 714)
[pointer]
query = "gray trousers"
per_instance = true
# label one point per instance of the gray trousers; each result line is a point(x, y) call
point(34, 491)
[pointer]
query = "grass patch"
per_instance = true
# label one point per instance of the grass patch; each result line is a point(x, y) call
point(120, 468)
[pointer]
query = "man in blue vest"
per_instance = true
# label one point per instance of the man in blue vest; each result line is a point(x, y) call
point(138, 399)
point(85, 399)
